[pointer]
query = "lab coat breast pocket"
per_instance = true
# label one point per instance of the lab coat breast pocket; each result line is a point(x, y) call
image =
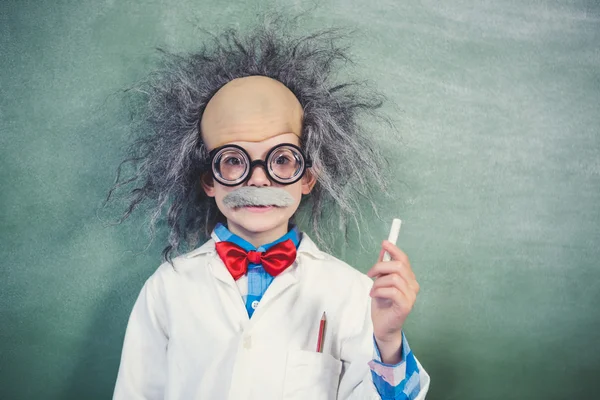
point(311, 375)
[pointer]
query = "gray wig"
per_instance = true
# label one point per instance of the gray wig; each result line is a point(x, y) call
point(168, 153)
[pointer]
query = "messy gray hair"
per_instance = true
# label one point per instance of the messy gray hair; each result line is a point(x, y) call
point(168, 155)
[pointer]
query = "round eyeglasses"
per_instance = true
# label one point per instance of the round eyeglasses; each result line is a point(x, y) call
point(284, 164)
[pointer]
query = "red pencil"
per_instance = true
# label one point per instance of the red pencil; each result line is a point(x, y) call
point(321, 333)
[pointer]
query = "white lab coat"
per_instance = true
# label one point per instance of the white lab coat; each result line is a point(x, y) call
point(189, 335)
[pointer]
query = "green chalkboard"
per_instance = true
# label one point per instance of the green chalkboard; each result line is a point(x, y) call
point(497, 180)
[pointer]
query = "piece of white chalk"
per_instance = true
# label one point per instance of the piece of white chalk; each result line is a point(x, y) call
point(394, 231)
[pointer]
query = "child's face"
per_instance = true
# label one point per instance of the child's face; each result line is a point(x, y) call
point(257, 114)
point(268, 222)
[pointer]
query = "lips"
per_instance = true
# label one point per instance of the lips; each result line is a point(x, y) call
point(258, 209)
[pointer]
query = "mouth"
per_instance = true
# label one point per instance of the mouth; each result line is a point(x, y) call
point(258, 209)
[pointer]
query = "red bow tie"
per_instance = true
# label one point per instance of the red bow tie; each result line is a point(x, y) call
point(274, 261)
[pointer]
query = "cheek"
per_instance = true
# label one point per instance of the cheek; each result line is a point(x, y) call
point(220, 193)
point(296, 191)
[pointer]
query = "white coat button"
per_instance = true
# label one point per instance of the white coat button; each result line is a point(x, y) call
point(247, 342)
point(254, 304)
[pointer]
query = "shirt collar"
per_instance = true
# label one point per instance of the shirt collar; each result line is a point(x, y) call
point(222, 234)
point(306, 246)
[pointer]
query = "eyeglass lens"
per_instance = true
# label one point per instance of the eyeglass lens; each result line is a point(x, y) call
point(231, 164)
point(285, 163)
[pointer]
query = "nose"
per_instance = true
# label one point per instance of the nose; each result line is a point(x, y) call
point(258, 176)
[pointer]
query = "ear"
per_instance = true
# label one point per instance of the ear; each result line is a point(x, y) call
point(308, 181)
point(208, 184)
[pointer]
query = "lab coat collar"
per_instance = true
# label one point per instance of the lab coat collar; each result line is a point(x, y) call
point(307, 246)
point(206, 248)
point(288, 278)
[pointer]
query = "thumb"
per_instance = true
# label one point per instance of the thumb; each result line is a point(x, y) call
point(381, 253)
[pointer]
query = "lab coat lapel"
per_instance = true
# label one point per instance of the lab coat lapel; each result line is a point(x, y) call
point(220, 272)
point(231, 294)
point(280, 284)
point(218, 269)
point(288, 278)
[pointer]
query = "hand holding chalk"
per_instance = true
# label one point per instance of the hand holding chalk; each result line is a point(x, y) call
point(393, 294)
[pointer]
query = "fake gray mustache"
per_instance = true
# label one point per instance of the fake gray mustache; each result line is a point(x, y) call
point(255, 196)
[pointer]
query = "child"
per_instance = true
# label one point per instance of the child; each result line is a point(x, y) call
point(241, 135)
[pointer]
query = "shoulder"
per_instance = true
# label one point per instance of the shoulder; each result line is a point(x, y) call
point(336, 268)
point(327, 268)
point(188, 266)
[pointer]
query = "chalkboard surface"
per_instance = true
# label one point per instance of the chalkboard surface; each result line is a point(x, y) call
point(497, 182)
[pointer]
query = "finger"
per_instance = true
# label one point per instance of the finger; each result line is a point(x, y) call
point(395, 252)
point(390, 293)
point(395, 295)
point(381, 253)
point(408, 287)
point(409, 278)
point(391, 280)
point(391, 267)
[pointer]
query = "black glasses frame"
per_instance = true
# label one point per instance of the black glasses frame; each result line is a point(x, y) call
point(252, 164)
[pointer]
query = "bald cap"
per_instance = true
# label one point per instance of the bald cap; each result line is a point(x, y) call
point(252, 109)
